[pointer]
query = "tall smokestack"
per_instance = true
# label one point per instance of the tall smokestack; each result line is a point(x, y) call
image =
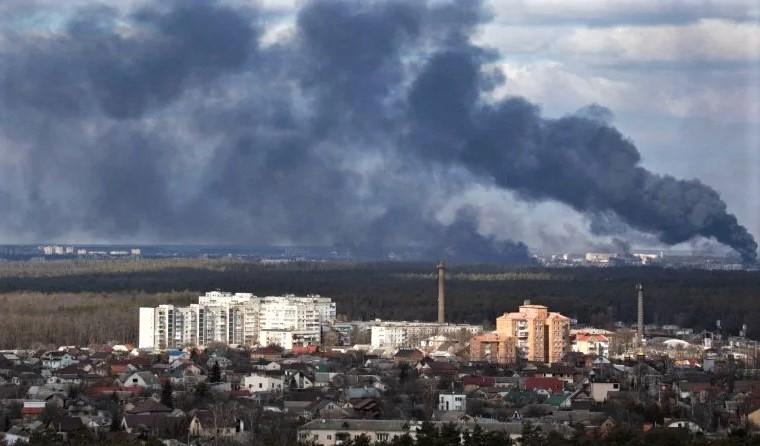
point(441, 293)
point(640, 327)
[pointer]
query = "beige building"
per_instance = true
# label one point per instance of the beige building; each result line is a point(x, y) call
point(493, 347)
point(533, 333)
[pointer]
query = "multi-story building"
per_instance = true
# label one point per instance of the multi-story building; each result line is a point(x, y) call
point(533, 334)
point(397, 334)
point(239, 318)
point(591, 342)
point(452, 401)
point(494, 347)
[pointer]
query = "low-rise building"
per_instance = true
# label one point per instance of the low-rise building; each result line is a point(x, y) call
point(329, 432)
point(264, 382)
point(452, 401)
point(600, 390)
point(397, 334)
point(591, 343)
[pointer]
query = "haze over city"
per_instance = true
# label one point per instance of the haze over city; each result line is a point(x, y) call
point(484, 131)
point(379, 222)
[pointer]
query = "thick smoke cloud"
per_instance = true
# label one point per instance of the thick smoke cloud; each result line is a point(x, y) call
point(174, 122)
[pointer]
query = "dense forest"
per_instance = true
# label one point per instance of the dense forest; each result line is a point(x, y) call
point(80, 302)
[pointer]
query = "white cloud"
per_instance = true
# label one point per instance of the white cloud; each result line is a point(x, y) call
point(560, 90)
point(606, 13)
point(704, 41)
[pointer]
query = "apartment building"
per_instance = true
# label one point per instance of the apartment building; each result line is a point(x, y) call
point(533, 333)
point(239, 318)
point(397, 334)
point(494, 347)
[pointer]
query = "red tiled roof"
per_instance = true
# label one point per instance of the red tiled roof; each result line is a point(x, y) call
point(140, 361)
point(591, 338)
point(269, 350)
point(301, 349)
point(540, 383)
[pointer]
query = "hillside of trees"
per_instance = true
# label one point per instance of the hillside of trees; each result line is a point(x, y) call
point(89, 302)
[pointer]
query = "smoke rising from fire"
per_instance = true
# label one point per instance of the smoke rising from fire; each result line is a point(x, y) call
point(175, 121)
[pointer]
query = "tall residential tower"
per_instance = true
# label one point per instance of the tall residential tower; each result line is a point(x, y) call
point(533, 333)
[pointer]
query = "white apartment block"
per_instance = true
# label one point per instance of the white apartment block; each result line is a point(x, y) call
point(239, 318)
point(397, 334)
point(289, 338)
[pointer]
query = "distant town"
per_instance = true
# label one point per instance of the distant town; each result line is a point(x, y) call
point(283, 254)
point(236, 368)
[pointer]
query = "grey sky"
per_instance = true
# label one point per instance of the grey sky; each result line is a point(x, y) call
point(145, 141)
point(682, 78)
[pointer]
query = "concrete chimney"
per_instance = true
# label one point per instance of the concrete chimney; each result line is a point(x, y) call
point(640, 320)
point(441, 293)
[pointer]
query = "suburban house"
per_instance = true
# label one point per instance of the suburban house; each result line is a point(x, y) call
point(259, 382)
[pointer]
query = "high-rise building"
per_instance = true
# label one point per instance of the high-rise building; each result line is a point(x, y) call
point(533, 334)
point(239, 318)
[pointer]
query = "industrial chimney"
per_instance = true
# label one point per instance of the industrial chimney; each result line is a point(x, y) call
point(640, 320)
point(441, 293)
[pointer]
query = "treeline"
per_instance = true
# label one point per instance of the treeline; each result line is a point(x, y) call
point(37, 320)
point(72, 267)
point(476, 294)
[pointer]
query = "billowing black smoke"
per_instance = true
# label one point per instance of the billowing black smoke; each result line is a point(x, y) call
point(180, 122)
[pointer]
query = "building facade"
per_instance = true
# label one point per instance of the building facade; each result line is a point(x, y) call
point(239, 318)
point(533, 333)
point(452, 401)
point(398, 334)
point(494, 347)
point(591, 342)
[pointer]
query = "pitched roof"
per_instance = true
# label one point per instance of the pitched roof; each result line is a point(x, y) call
point(158, 422)
point(408, 353)
point(149, 406)
point(481, 381)
point(206, 419)
point(536, 383)
point(67, 424)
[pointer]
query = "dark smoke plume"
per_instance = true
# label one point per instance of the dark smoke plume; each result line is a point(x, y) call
point(179, 122)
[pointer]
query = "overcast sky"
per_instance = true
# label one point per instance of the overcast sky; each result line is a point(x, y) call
point(681, 78)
